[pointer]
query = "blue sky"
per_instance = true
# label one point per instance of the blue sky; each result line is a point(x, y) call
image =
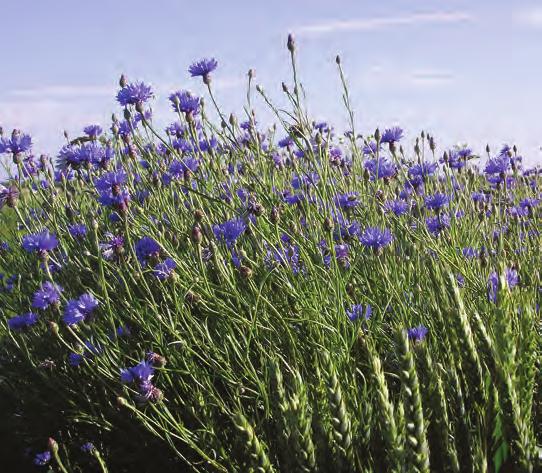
point(465, 71)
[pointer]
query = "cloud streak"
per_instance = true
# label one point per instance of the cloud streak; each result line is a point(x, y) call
point(530, 17)
point(379, 23)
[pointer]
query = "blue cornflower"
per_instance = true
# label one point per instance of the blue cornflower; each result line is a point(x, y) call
point(437, 201)
point(342, 253)
point(381, 168)
point(370, 148)
point(77, 230)
point(93, 131)
point(88, 447)
point(423, 169)
point(417, 334)
point(20, 322)
point(114, 246)
point(42, 459)
point(203, 68)
point(147, 248)
point(41, 242)
point(348, 200)
point(134, 94)
point(493, 284)
point(80, 310)
point(397, 206)
point(110, 190)
point(286, 142)
point(392, 135)
point(437, 224)
point(229, 231)
point(287, 257)
point(293, 199)
point(18, 143)
point(8, 196)
point(48, 294)
point(356, 312)
point(182, 169)
point(140, 373)
point(498, 165)
point(375, 238)
point(183, 101)
point(470, 253)
point(165, 269)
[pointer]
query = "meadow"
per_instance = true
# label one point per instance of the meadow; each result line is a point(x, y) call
point(220, 296)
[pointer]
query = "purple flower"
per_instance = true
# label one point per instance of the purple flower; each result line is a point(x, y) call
point(347, 201)
point(79, 310)
point(286, 142)
point(437, 224)
point(356, 312)
point(181, 169)
point(342, 253)
point(498, 165)
point(41, 242)
point(111, 193)
point(287, 257)
point(134, 94)
point(370, 148)
point(493, 284)
point(93, 131)
point(18, 143)
point(114, 246)
point(203, 68)
point(140, 373)
point(392, 135)
point(470, 253)
point(417, 334)
point(398, 207)
point(375, 238)
point(42, 459)
point(88, 447)
point(78, 230)
point(437, 201)
point(20, 322)
point(165, 269)
point(48, 294)
point(147, 248)
point(380, 168)
point(228, 232)
point(8, 196)
point(183, 101)
point(423, 169)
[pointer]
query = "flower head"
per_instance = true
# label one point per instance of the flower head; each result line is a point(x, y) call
point(391, 135)
point(48, 294)
point(357, 312)
point(18, 143)
point(80, 310)
point(228, 232)
point(41, 242)
point(417, 334)
point(147, 248)
point(134, 94)
point(375, 238)
point(20, 322)
point(183, 101)
point(203, 68)
point(93, 131)
point(42, 459)
point(165, 269)
point(437, 201)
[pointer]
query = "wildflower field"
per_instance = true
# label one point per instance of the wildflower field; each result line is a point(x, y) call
point(223, 296)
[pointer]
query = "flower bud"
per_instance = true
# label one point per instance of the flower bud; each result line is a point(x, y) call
point(122, 81)
point(290, 43)
point(52, 445)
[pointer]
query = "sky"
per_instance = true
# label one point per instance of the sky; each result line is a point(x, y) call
point(466, 72)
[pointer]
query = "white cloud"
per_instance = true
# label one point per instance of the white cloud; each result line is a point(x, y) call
point(530, 17)
point(431, 77)
point(371, 24)
point(64, 91)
